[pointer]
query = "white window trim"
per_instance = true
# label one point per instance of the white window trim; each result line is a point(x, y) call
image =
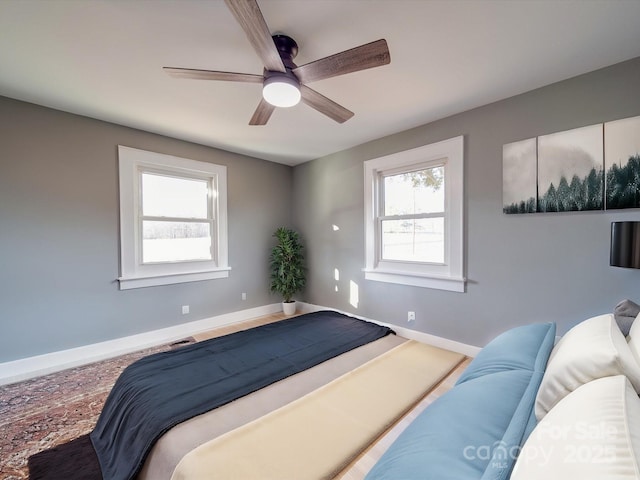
point(447, 276)
point(133, 273)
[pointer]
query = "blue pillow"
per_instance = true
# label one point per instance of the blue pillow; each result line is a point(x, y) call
point(456, 437)
point(476, 429)
point(526, 347)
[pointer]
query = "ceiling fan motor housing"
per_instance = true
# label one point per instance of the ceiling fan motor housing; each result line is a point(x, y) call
point(282, 89)
point(287, 48)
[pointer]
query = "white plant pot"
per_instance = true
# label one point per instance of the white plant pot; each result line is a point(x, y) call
point(289, 308)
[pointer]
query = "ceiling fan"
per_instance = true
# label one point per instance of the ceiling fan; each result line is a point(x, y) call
point(284, 83)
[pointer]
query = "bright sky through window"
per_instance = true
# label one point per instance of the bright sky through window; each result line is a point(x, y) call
point(413, 218)
point(166, 196)
point(175, 219)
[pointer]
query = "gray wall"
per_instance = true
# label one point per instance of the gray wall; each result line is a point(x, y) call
point(521, 268)
point(59, 233)
point(59, 228)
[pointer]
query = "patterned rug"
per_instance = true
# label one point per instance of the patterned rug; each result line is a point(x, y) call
point(51, 410)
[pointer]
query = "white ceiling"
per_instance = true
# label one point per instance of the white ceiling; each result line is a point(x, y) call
point(104, 59)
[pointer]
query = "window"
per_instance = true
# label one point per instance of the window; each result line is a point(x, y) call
point(173, 220)
point(414, 217)
point(176, 219)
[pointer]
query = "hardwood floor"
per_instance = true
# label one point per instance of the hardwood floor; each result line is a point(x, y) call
point(41, 413)
point(254, 322)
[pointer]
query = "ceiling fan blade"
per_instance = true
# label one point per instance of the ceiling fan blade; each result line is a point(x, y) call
point(262, 114)
point(324, 105)
point(370, 55)
point(249, 16)
point(212, 75)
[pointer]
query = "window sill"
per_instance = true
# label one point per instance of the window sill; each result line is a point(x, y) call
point(452, 284)
point(127, 283)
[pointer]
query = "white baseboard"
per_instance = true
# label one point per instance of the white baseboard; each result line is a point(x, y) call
point(463, 348)
point(25, 368)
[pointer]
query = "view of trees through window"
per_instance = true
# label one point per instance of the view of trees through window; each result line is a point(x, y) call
point(412, 222)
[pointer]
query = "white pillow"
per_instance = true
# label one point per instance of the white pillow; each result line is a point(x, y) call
point(592, 349)
point(633, 339)
point(592, 433)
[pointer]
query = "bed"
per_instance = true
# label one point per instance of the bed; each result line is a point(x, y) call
point(201, 411)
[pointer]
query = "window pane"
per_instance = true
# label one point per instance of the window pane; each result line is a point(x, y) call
point(164, 196)
point(416, 192)
point(175, 241)
point(420, 240)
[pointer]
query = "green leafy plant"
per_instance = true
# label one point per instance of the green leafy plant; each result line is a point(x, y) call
point(287, 264)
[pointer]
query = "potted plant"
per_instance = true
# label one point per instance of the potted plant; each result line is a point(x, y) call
point(287, 269)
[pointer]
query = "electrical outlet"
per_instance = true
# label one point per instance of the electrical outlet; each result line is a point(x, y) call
point(411, 316)
point(185, 309)
point(244, 296)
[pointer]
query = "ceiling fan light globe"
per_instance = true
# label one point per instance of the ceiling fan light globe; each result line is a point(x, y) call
point(281, 92)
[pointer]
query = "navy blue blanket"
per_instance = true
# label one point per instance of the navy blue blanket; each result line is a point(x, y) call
point(159, 391)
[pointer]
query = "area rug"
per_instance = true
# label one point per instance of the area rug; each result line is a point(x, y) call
point(54, 409)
